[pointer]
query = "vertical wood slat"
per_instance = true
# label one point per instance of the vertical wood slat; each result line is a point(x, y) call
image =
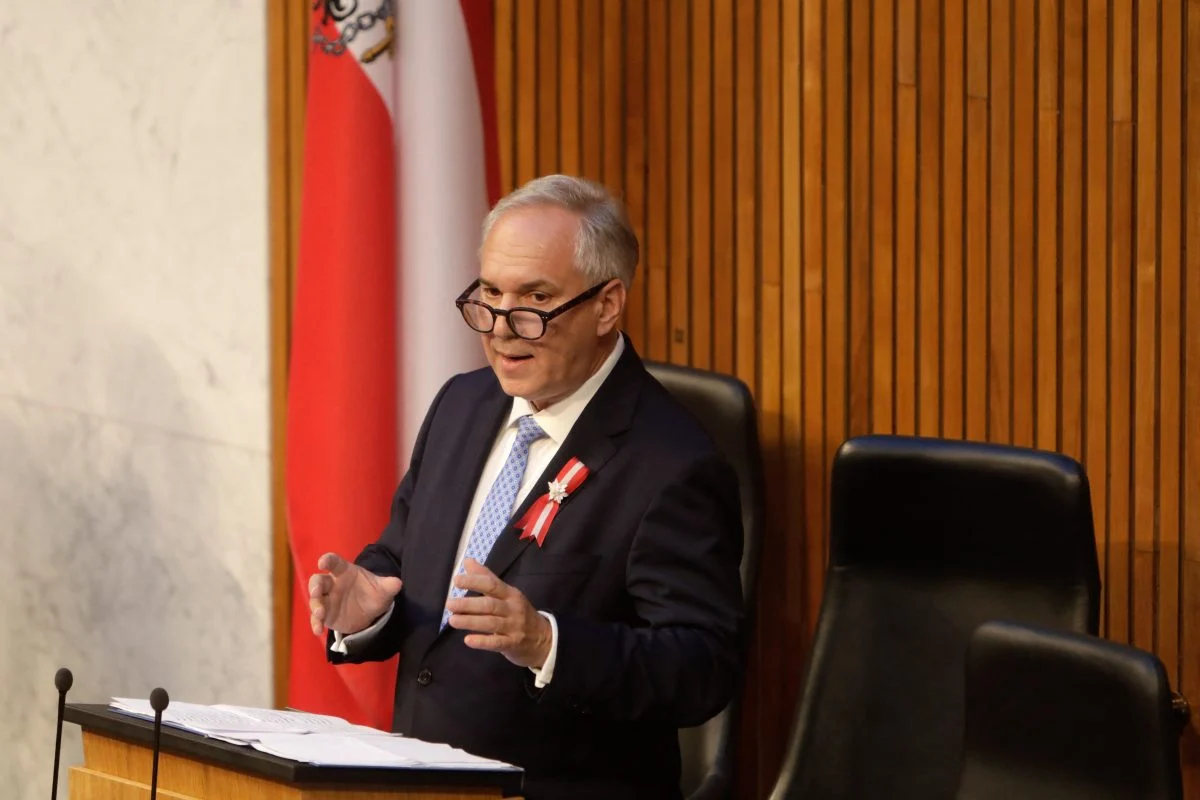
point(790, 314)
point(656, 246)
point(906, 217)
point(996, 249)
point(1145, 334)
point(998, 286)
point(954, 40)
point(883, 222)
point(679, 126)
point(977, 362)
point(836, 415)
point(1170, 307)
point(808, 305)
point(701, 189)
point(1120, 321)
point(723, 200)
point(773, 659)
point(1095, 193)
point(625, 135)
point(1047, 227)
point(929, 148)
point(1023, 204)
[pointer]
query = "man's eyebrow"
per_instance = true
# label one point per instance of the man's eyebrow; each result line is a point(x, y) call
point(526, 288)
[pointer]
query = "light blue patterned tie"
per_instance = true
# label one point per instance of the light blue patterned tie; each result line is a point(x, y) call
point(493, 517)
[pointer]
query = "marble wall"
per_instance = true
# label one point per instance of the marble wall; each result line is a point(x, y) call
point(134, 407)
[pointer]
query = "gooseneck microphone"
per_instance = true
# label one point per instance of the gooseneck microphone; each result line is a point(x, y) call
point(62, 681)
point(158, 701)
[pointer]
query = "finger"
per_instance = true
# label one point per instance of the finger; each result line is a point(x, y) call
point(390, 585)
point(317, 626)
point(486, 641)
point(477, 605)
point(316, 607)
point(319, 585)
point(478, 578)
point(333, 563)
point(478, 623)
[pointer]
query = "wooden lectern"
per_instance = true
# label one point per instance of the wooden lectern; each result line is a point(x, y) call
point(118, 754)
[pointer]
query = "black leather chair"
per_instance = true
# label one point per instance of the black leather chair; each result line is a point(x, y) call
point(928, 539)
point(1052, 715)
point(724, 407)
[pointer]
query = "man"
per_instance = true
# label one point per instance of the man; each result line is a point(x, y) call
point(575, 646)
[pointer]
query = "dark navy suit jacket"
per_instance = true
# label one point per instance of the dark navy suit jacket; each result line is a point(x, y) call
point(640, 569)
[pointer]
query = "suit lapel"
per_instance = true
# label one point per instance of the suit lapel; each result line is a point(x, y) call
point(458, 495)
point(608, 413)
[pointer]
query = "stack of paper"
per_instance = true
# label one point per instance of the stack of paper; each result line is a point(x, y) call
point(308, 738)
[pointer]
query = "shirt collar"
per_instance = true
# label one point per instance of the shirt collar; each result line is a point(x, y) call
point(558, 419)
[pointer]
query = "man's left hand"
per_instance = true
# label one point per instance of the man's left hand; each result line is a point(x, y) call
point(501, 620)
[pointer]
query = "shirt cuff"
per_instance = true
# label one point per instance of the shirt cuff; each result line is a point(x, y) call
point(345, 643)
point(543, 676)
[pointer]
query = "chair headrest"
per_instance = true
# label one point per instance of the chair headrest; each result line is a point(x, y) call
point(973, 507)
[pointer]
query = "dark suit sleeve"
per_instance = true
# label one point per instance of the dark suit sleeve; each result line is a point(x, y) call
point(680, 663)
point(383, 556)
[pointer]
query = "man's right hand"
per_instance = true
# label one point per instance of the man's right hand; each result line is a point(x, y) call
point(346, 598)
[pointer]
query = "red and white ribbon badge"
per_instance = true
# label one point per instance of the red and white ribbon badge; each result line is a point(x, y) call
point(537, 519)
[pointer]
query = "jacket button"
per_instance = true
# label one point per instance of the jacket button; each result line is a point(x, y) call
point(424, 677)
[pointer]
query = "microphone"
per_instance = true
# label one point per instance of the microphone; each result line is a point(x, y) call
point(158, 701)
point(62, 681)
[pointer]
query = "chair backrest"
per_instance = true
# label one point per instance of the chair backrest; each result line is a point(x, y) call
point(928, 539)
point(725, 409)
point(1052, 715)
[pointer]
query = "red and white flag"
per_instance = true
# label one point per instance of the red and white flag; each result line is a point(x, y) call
point(399, 171)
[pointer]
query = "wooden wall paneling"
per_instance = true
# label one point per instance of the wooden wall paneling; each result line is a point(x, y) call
point(835, 412)
point(790, 309)
point(905, 236)
point(625, 145)
point(1168, 436)
point(859, 228)
point(570, 87)
point(723, 202)
point(746, 193)
point(527, 133)
point(657, 242)
point(807, 306)
point(998, 322)
point(1145, 589)
point(1074, 155)
point(976, 222)
point(1190, 330)
point(1095, 192)
point(929, 226)
point(953, 207)
point(679, 127)
point(1120, 321)
point(996, 249)
point(1049, 278)
point(594, 41)
point(759, 723)
point(775, 659)
point(1023, 205)
point(701, 188)
point(504, 23)
point(547, 78)
point(883, 222)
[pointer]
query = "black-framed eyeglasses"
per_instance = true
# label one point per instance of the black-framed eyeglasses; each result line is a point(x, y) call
point(525, 323)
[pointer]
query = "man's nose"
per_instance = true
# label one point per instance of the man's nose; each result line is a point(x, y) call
point(502, 328)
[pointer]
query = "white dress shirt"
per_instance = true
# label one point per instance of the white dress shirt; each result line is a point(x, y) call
point(556, 420)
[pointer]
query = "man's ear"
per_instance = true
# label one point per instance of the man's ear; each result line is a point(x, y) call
point(611, 304)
